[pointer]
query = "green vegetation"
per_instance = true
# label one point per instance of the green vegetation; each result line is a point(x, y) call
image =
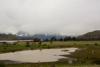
point(56, 64)
point(8, 47)
point(90, 48)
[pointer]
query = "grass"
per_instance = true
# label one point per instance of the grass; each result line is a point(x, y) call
point(56, 64)
point(52, 64)
point(85, 46)
point(56, 44)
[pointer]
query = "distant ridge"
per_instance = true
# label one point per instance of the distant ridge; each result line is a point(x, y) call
point(41, 36)
point(13, 37)
point(23, 34)
point(94, 35)
point(49, 36)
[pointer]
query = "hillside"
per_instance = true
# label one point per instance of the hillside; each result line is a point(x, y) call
point(23, 34)
point(13, 37)
point(95, 35)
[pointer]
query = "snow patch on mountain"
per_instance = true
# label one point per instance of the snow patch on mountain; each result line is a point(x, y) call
point(41, 36)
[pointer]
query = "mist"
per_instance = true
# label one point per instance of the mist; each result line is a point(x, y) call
point(70, 17)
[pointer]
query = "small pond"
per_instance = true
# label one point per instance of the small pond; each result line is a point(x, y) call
point(35, 56)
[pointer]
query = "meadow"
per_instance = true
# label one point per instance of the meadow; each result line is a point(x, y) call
point(90, 48)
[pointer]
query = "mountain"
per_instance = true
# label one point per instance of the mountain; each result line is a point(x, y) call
point(7, 36)
point(94, 35)
point(26, 35)
point(48, 36)
point(13, 37)
point(41, 36)
point(23, 34)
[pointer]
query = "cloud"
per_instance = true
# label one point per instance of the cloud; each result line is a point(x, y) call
point(50, 16)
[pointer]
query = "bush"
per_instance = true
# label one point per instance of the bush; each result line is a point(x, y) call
point(27, 44)
point(96, 44)
point(48, 47)
point(44, 45)
point(87, 44)
point(5, 48)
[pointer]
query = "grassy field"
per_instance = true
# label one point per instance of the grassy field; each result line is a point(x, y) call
point(56, 44)
point(86, 49)
point(57, 64)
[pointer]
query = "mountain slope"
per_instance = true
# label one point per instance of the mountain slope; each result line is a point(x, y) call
point(23, 34)
point(13, 37)
point(95, 35)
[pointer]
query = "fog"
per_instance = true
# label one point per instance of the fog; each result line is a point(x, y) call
point(71, 17)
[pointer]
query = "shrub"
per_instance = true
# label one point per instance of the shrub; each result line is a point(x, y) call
point(87, 44)
point(96, 44)
point(5, 48)
point(44, 45)
point(48, 47)
point(27, 44)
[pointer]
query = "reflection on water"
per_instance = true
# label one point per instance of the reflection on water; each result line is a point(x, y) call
point(33, 56)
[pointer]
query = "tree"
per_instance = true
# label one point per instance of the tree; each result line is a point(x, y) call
point(15, 43)
point(37, 40)
point(61, 39)
point(40, 43)
point(74, 38)
point(4, 43)
point(66, 38)
point(53, 38)
point(51, 41)
point(69, 38)
point(45, 40)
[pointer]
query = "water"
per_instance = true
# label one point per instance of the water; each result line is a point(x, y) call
point(15, 40)
point(35, 56)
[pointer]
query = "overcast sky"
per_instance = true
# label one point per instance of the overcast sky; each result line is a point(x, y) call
point(50, 16)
